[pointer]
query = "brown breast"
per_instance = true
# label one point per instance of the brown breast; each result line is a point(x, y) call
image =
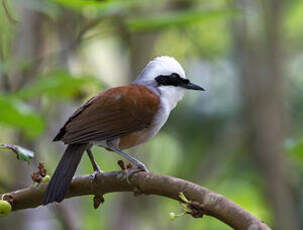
point(134, 139)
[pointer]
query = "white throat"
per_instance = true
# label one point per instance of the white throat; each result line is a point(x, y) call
point(170, 96)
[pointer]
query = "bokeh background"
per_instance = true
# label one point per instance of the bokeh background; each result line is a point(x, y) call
point(241, 138)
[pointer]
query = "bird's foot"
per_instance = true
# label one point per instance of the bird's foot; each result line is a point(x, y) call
point(139, 168)
point(93, 176)
point(130, 170)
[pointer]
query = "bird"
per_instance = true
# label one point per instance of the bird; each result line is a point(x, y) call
point(119, 118)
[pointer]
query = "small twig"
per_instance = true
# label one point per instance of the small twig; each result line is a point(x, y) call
point(129, 166)
point(137, 191)
point(121, 164)
point(86, 28)
point(42, 169)
point(196, 209)
point(37, 177)
point(98, 199)
point(8, 15)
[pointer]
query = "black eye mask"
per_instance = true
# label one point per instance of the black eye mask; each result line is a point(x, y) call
point(173, 80)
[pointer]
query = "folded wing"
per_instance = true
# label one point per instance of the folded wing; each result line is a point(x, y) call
point(111, 114)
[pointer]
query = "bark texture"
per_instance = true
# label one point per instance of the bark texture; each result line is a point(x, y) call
point(204, 201)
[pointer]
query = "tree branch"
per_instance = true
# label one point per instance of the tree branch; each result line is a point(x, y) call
point(9, 16)
point(208, 202)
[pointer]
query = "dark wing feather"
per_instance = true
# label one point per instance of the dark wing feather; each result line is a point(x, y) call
point(113, 113)
point(62, 131)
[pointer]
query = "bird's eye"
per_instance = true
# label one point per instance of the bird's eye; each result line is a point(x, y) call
point(175, 75)
point(173, 80)
point(180, 80)
point(162, 80)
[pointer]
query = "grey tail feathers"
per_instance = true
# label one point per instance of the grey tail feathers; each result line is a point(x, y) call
point(60, 181)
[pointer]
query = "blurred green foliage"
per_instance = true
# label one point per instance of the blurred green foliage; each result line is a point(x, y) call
point(173, 19)
point(196, 144)
point(20, 115)
point(293, 23)
point(55, 85)
point(58, 85)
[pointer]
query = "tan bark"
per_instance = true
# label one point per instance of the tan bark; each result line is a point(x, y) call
point(203, 200)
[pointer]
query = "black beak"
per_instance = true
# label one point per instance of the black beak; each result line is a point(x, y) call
point(192, 86)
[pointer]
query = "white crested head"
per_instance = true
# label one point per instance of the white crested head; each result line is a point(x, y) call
point(164, 66)
point(166, 76)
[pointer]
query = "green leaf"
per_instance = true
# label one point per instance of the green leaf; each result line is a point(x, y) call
point(182, 197)
point(164, 20)
point(18, 114)
point(79, 4)
point(99, 8)
point(21, 153)
point(58, 84)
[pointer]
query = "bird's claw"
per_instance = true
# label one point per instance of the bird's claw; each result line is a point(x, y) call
point(142, 167)
point(132, 171)
point(93, 176)
point(129, 170)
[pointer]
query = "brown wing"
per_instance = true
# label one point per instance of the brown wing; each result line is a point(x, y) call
point(113, 113)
